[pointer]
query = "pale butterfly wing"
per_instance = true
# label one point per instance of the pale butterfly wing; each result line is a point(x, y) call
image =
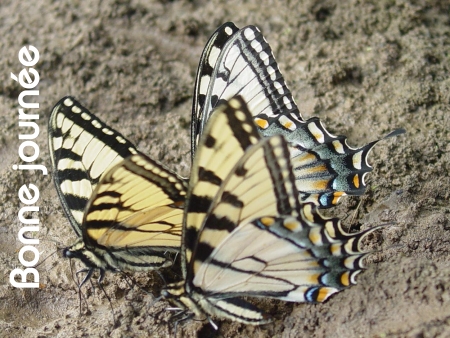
point(228, 138)
point(82, 147)
point(241, 62)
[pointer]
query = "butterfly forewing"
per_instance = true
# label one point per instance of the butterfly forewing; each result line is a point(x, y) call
point(81, 148)
point(126, 208)
point(205, 70)
point(245, 67)
point(224, 142)
point(260, 184)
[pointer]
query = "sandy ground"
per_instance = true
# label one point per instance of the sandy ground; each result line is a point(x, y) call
point(364, 67)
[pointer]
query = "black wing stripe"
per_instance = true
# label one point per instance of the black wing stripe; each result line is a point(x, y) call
point(73, 130)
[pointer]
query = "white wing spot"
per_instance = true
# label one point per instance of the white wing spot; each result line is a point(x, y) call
point(287, 123)
point(240, 115)
point(256, 46)
point(234, 104)
point(248, 128)
point(264, 58)
point(279, 87)
point(338, 147)
point(249, 34)
point(76, 110)
point(357, 160)
point(59, 120)
point(228, 31)
point(316, 132)
point(96, 124)
point(120, 139)
point(213, 55)
point(204, 84)
point(68, 102)
point(107, 131)
point(57, 142)
point(287, 103)
point(84, 116)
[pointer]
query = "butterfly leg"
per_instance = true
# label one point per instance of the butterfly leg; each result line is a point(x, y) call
point(179, 317)
point(89, 272)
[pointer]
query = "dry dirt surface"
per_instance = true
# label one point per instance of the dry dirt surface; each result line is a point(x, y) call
point(363, 67)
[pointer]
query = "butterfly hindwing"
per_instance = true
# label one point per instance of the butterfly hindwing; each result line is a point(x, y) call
point(136, 213)
point(81, 148)
point(284, 257)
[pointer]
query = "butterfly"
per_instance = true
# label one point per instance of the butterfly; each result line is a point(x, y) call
point(240, 62)
point(246, 232)
point(125, 208)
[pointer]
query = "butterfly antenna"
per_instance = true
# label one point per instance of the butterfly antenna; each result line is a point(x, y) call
point(59, 245)
point(41, 262)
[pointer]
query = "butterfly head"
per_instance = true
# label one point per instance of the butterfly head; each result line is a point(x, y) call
point(186, 302)
point(79, 251)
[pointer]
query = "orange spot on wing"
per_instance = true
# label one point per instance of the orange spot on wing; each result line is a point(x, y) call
point(319, 168)
point(320, 185)
point(314, 278)
point(288, 125)
point(336, 249)
point(356, 181)
point(337, 196)
point(292, 225)
point(315, 238)
point(345, 278)
point(261, 123)
point(323, 294)
point(267, 221)
point(307, 157)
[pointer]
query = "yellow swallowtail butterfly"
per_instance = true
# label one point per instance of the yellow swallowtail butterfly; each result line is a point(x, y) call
point(245, 231)
point(240, 62)
point(125, 208)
